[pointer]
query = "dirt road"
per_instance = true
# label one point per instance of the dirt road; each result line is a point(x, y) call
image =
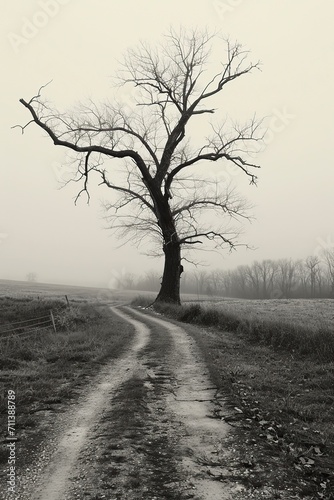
point(143, 429)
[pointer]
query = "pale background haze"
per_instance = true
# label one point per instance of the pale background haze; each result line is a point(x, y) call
point(78, 47)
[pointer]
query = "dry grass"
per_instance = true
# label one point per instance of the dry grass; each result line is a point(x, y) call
point(315, 343)
point(21, 289)
point(314, 313)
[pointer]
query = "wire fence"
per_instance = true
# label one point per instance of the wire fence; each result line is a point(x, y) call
point(28, 327)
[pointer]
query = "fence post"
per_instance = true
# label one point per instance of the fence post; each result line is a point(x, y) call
point(68, 302)
point(53, 322)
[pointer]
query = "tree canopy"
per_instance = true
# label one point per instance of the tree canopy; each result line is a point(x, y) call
point(160, 193)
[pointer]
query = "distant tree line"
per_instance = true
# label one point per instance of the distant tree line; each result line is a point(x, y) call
point(312, 277)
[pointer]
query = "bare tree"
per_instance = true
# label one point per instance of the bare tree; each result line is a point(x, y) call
point(241, 279)
point(287, 276)
point(312, 264)
point(124, 281)
point(32, 277)
point(328, 258)
point(266, 270)
point(160, 182)
point(254, 279)
point(150, 281)
point(218, 281)
point(225, 278)
point(202, 280)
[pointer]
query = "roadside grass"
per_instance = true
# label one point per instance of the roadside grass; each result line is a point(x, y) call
point(46, 369)
point(277, 380)
point(17, 309)
point(317, 343)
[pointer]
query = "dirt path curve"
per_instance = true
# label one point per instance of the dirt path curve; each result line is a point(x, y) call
point(192, 402)
point(143, 430)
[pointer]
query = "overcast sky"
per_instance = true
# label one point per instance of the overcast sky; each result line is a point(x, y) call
point(77, 44)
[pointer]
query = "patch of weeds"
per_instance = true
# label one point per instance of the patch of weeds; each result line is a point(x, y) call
point(186, 314)
point(3, 455)
point(26, 354)
point(30, 422)
point(142, 301)
point(9, 363)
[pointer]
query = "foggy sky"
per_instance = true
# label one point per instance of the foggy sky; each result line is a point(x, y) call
point(77, 44)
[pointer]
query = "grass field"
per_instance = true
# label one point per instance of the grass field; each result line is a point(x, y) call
point(315, 313)
point(43, 290)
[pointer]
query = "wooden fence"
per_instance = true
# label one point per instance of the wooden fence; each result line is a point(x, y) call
point(28, 327)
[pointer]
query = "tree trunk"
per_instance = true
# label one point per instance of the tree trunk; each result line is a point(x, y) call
point(170, 285)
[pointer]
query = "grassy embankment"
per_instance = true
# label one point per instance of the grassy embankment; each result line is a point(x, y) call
point(278, 380)
point(46, 369)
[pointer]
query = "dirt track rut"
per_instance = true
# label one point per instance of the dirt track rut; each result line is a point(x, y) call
point(144, 430)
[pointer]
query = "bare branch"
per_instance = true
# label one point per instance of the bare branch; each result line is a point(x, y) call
point(134, 194)
point(87, 149)
point(210, 235)
point(38, 95)
point(85, 187)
